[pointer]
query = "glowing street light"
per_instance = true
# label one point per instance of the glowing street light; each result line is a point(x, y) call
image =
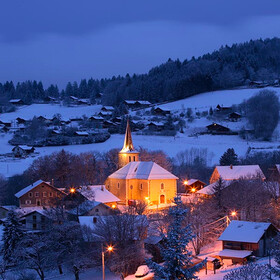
point(114, 206)
point(72, 190)
point(193, 190)
point(109, 249)
point(147, 198)
point(233, 213)
point(186, 182)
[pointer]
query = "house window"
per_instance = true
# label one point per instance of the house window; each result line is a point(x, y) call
point(141, 187)
point(43, 219)
point(38, 202)
point(27, 201)
point(37, 194)
point(118, 185)
point(51, 194)
point(94, 220)
point(34, 226)
point(44, 194)
point(30, 194)
point(133, 158)
point(96, 210)
point(108, 187)
point(34, 217)
point(162, 186)
point(129, 158)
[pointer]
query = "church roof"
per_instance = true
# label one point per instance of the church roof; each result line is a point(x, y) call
point(146, 170)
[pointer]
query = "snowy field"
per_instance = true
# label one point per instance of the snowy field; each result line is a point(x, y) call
point(48, 110)
point(206, 100)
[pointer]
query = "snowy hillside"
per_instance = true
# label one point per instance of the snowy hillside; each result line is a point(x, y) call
point(206, 100)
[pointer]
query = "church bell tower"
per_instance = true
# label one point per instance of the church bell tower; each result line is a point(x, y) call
point(127, 153)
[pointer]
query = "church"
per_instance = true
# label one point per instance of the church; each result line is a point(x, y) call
point(140, 180)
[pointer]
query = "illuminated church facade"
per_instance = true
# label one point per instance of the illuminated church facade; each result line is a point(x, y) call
point(140, 180)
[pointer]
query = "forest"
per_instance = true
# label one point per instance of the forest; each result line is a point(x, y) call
point(228, 67)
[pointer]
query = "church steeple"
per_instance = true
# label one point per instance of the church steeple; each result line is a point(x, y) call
point(128, 144)
point(127, 153)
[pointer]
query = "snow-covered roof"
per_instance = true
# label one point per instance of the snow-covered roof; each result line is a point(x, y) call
point(243, 231)
point(157, 123)
point(162, 108)
point(105, 113)
point(30, 187)
point(82, 133)
point(234, 253)
point(98, 193)
point(110, 108)
point(74, 97)
point(25, 148)
point(192, 181)
point(14, 100)
point(84, 207)
point(146, 170)
point(26, 210)
point(210, 189)
point(9, 207)
point(278, 167)
point(235, 172)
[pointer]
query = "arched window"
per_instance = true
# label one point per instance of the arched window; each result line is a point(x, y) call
point(118, 185)
point(141, 187)
point(133, 158)
point(162, 186)
point(129, 158)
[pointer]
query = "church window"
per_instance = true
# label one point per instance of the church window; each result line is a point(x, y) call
point(162, 199)
point(118, 185)
point(133, 158)
point(131, 187)
point(162, 186)
point(141, 187)
point(129, 158)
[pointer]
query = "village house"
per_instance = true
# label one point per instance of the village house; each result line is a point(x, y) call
point(223, 108)
point(36, 220)
point(217, 128)
point(193, 185)
point(5, 209)
point(160, 111)
point(105, 114)
point(6, 123)
point(234, 117)
point(242, 239)
point(140, 181)
point(107, 109)
point(135, 104)
point(17, 102)
point(22, 151)
point(235, 172)
point(81, 133)
point(156, 126)
point(39, 193)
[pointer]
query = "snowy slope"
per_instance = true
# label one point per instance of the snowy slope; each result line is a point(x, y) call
point(48, 110)
point(206, 100)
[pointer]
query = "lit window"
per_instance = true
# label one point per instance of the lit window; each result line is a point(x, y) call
point(162, 186)
point(30, 194)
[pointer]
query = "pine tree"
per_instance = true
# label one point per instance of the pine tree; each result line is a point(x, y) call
point(177, 259)
point(229, 157)
point(12, 235)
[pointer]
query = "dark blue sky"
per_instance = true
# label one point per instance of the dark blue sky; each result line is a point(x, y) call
point(64, 40)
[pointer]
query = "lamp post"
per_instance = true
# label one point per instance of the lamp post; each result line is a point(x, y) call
point(109, 249)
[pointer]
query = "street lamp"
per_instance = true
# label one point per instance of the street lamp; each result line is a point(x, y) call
point(108, 249)
point(72, 190)
point(233, 213)
point(193, 190)
point(186, 182)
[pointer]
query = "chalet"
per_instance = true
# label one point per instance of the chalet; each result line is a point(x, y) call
point(56, 132)
point(156, 126)
point(223, 108)
point(81, 133)
point(83, 101)
point(210, 190)
point(74, 98)
point(135, 104)
point(258, 84)
point(217, 128)
point(105, 114)
point(153, 244)
point(99, 193)
point(21, 120)
point(49, 99)
point(39, 193)
point(234, 117)
point(193, 185)
point(235, 172)
point(5, 209)
point(3, 128)
point(160, 111)
point(6, 123)
point(107, 109)
point(22, 151)
point(42, 118)
point(109, 124)
point(92, 208)
point(117, 120)
point(37, 220)
point(17, 102)
point(242, 239)
point(96, 119)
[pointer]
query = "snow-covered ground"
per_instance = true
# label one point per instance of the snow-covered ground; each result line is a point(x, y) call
point(48, 110)
point(206, 100)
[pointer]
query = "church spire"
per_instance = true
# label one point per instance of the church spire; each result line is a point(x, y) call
point(127, 145)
